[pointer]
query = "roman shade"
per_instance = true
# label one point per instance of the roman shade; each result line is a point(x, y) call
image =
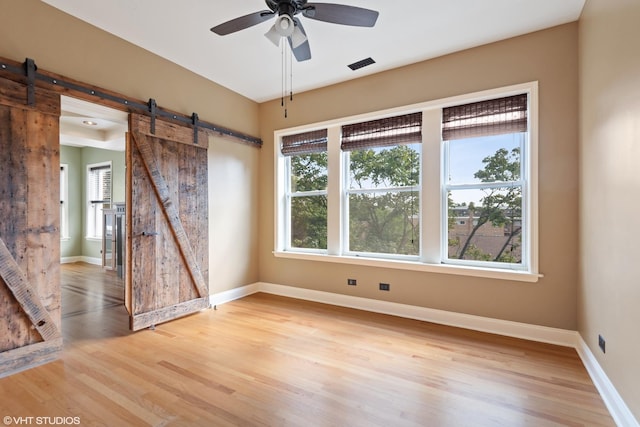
point(314, 141)
point(485, 118)
point(405, 129)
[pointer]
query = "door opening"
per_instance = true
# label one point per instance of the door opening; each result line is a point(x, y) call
point(92, 157)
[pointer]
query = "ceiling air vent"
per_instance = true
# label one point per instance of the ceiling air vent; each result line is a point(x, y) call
point(363, 63)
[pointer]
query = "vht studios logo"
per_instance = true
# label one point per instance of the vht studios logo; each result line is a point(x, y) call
point(41, 421)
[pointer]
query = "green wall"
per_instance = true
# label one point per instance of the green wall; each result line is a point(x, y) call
point(78, 158)
point(72, 156)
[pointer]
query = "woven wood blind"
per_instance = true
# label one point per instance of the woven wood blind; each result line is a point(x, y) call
point(405, 129)
point(314, 141)
point(492, 117)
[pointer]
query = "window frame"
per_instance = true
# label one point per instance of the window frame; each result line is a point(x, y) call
point(522, 183)
point(289, 195)
point(64, 201)
point(346, 192)
point(432, 195)
point(91, 221)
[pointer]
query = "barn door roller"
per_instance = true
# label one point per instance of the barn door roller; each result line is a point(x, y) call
point(30, 71)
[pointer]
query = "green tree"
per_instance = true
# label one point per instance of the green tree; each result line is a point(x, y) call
point(309, 213)
point(384, 221)
point(501, 206)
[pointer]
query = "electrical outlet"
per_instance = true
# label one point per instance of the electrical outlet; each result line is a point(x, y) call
point(384, 286)
point(602, 343)
point(352, 282)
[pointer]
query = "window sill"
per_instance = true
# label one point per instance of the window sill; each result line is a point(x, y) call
point(93, 239)
point(489, 273)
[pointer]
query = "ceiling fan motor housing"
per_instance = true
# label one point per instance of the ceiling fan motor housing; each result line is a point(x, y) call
point(288, 7)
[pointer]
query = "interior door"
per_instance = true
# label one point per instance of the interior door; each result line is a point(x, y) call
point(30, 294)
point(167, 222)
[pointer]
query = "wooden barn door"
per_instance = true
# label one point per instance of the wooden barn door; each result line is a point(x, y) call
point(30, 296)
point(167, 213)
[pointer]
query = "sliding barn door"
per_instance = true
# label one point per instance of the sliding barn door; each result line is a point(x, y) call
point(29, 228)
point(167, 232)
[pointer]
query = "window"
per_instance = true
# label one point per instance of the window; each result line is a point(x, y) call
point(306, 194)
point(64, 201)
point(382, 193)
point(444, 185)
point(484, 145)
point(98, 197)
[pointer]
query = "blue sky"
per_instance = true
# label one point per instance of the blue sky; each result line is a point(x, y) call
point(466, 156)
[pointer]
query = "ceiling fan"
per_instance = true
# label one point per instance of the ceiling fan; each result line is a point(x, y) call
point(289, 26)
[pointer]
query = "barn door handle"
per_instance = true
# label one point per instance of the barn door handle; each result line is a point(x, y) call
point(149, 233)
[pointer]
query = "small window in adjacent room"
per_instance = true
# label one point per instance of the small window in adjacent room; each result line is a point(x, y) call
point(98, 197)
point(64, 201)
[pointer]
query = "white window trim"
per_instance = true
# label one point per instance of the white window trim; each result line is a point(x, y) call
point(522, 183)
point(431, 196)
point(64, 198)
point(88, 196)
point(290, 195)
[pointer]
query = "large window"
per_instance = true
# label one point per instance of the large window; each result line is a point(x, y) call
point(306, 194)
point(382, 212)
point(444, 185)
point(98, 197)
point(484, 147)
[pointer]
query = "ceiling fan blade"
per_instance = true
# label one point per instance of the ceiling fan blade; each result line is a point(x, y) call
point(242, 22)
point(341, 14)
point(303, 51)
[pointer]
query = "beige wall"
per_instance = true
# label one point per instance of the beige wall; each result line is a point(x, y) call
point(233, 214)
point(551, 58)
point(65, 45)
point(609, 291)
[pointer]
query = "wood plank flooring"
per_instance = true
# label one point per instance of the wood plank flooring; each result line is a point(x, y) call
point(87, 289)
point(266, 360)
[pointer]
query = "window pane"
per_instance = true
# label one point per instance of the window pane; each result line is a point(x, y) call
point(309, 172)
point(385, 167)
point(485, 159)
point(486, 225)
point(99, 197)
point(384, 222)
point(309, 222)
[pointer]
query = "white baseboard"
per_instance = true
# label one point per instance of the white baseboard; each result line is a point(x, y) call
point(87, 259)
point(567, 338)
point(478, 323)
point(617, 407)
point(233, 294)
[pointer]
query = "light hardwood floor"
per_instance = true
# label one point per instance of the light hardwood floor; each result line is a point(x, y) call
point(268, 360)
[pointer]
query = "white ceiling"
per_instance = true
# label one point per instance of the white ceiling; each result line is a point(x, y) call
point(83, 124)
point(246, 62)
